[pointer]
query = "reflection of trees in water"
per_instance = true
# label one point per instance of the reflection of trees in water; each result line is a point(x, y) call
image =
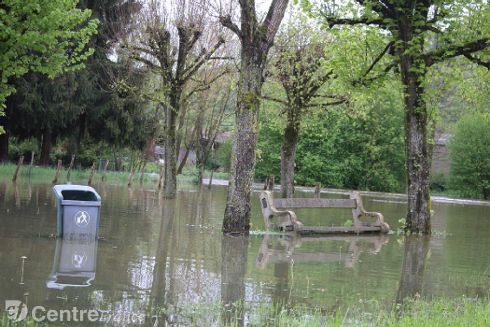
point(413, 267)
point(234, 250)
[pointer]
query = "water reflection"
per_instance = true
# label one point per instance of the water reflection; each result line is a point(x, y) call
point(74, 264)
point(413, 267)
point(282, 249)
point(234, 251)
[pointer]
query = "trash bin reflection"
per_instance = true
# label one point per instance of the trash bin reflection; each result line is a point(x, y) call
point(74, 264)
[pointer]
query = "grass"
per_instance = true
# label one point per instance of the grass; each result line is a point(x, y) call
point(46, 175)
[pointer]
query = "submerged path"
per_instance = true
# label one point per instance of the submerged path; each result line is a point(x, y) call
point(397, 197)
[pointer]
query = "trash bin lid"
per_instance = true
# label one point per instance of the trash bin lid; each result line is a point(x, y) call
point(76, 192)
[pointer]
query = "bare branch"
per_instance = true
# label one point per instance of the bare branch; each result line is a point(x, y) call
point(274, 17)
point(201, 60)
point(228, 23)
point(328, 104)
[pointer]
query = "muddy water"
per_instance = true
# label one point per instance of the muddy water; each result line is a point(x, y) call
point(158, 258)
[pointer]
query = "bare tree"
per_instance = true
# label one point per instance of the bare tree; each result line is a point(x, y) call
point(175, 47)
point(256, 39)
point(297, 66)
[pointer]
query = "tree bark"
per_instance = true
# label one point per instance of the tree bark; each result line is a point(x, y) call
point(170, 182)
point(45, 148)
point(237, 212)
point(417, 152)
point(288, 156)
point(4, 147)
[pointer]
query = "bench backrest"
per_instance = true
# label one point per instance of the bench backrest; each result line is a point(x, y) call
point(296, 203)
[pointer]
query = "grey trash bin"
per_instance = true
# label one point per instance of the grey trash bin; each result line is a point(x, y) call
point(78, 209)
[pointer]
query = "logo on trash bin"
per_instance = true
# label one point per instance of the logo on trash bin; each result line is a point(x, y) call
point(78, 260)
point(82, 218)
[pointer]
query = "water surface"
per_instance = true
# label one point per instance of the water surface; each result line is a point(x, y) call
point(159, 258)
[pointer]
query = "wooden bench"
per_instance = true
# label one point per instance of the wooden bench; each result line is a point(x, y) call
point(278, 215)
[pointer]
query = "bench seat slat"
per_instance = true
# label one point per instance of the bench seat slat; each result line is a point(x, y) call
point(297, 203)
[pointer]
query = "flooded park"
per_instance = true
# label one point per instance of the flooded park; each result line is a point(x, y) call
point(162, 262)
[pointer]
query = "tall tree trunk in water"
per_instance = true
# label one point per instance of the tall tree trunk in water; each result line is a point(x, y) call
point(170, 182)
point(417, 152)
point(256, 39)
point(237, 212)
point(45, 148)
point(4, 147)
point(288, 156)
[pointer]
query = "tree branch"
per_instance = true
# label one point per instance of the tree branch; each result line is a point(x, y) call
point(228, 23)
point(477, 60)
point(439, 55)
point(378, 58)
point(200, 61)
point(283, 102)
point(273, 19)
point(332, 21)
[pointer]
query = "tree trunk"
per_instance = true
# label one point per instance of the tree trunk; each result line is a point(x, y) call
point(417, 150)
point(170, 182)
point(288, 156)
point(45, 148)
point(237, 212)
point(184, 161)
point(4, 147)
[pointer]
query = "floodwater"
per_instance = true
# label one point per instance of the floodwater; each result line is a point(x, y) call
point(159, 261)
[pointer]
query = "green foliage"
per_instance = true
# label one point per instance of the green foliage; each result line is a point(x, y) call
point(470, 156)
point(359, 146)
point(222, 156)
point(23, 148)
point(46, 36)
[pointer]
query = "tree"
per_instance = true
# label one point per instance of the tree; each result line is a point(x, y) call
point(470, 156)
point(298, 67)
point(460, 28)
point(256, 40)
point(46, 36)
point(170, 49)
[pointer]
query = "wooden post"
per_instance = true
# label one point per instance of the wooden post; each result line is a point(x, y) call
point(32, 163)
point(211, 179)
point(142, 177)
point(105, 170)
point(92, 171)
point(70, 167)
point(266, 184)
point(160, 179)
point(271, 183)
point(57, 173)
point(317, 190)
point(19, 164)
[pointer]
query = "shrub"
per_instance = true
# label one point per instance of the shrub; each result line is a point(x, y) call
point(470, 157)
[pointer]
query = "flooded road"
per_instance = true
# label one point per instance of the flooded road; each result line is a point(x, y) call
point(158, 259)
